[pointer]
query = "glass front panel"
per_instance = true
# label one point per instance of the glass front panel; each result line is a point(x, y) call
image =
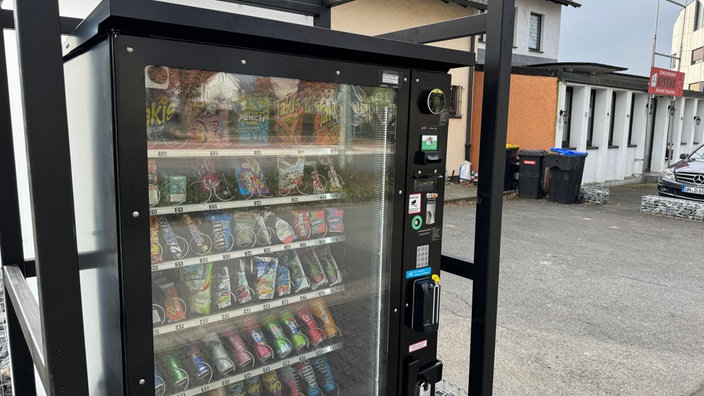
point(270, 199)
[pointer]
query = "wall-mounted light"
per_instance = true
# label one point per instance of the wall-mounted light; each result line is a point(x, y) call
point(697, 120)
point(565, 116)
point(672, 109)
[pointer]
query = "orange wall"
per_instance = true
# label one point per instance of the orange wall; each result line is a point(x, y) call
point(532, 113)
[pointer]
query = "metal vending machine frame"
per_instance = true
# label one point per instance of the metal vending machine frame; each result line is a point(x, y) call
point(54, 343)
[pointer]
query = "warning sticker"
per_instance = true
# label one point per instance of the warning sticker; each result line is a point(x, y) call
point(417, 346)
point(414, 203)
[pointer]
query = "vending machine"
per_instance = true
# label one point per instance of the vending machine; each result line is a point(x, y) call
point(255, 218)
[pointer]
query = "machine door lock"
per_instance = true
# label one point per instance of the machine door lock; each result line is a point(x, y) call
point(425, 316)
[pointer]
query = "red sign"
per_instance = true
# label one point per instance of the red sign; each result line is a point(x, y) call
point(665, 82)
point(528, 162)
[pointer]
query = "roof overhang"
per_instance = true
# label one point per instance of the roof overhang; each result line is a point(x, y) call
point(567, 3)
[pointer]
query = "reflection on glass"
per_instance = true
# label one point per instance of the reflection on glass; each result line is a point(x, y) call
point(269, 201)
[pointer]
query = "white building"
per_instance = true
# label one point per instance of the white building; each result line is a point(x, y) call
point(536, 36)
point(688, 45)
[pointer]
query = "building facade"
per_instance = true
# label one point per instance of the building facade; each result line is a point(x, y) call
point(688, 45)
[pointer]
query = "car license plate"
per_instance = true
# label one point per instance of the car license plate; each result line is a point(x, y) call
point(693, 190)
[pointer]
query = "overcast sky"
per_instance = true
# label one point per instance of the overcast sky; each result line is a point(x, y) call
point(618, 33)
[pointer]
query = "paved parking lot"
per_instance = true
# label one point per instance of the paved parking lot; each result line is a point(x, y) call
point(593, 300)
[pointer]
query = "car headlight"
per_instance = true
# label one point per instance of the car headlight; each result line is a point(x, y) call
point(667, 174)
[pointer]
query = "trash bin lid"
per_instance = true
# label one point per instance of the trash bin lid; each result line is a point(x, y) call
point(568, 153)
point(512, 146)
point(532, 153)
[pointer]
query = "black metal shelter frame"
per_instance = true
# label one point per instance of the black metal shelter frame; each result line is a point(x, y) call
point(48, 335)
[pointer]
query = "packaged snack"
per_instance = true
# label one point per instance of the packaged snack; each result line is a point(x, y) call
point(175, 249)
point(282, 229)
point(327, 261)
point(288, 124)
point(335, 220)
point(312, 267)
point(262, 230)
point(290, 174)
point(299, 281)
point(283, 281)
point(264, 269)
point(300, 221)
point(207, 181)
point(317, 183)
point(207, 123)
point(250, 177)
point(318, 226)
point(245, 229)
point(175, 189)
point(155, 246)
point(327, 168)
point(252, 120)
point(162, 110)
point(173, 304)
point(243, 291)
point(197, 278)
point(200, 243)
point(153, 180)
point(222, 294)
point(221, 224)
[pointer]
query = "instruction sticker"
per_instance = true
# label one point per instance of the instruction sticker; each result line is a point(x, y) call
point(429, 143)
point(414, 203)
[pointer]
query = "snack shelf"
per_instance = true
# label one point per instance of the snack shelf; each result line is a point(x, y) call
point(247, 152)
point(249, 203)
point(258, 371)
point(245, 253)
point(260, 306)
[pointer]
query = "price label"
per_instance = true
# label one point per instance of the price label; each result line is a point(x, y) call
point(203, 260)
point(247, 375)
point(178, 263)
point(284, 302)
point(179, 327)
point(257, 203)
point(334, 151)
point(212, 206)
point(321, 241)
point(294, 199)
point(287, 247)
point(303, 298)
point(302, 244)
point(153, 212)
point(266, 369)
point(301, 358)
point(226, 256)
point(267, 250)
point(266, 306)
point(246, 310)
point(247, 252)
point(162, 153)
point(204, 388)
point(257, 152)
point(225, 316)
point(155, 268)
point(178, 209)
point(204, 321)
point(214, 153)
point(225, 382)
point(155, 332)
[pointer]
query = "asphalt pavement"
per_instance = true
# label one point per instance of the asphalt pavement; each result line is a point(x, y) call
point(593, 299)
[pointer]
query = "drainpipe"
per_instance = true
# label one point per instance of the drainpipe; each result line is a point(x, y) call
point(470, 97)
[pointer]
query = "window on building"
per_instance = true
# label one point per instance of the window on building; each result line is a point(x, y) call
point(567, 117)
point(697, 55)
point(630, 119)
point(590, 120)
point(698, 16)
point(673, 61)
point(697, 86)
point(612, 118)
point(455, 107)
point(535, 33)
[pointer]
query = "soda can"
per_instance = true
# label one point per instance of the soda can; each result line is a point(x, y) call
point(159, 385)
point(261, 347)
point(253, 385)
point(236, 389)
point(321, 311)
point(324, 373)
point(314, 333)
point(177, 373)
point(202, 368)
point(282, 345)
point(243, 357)
point(223, 364)
point(272, 383)
point(298, 340)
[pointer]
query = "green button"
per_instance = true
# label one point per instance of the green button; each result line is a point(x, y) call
point(417, 222)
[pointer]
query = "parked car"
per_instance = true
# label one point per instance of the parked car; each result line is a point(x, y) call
point(684, 179)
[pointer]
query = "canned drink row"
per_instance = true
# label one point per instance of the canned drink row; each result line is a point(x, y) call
point(198, 180)
point(178, 236)
point(246, 343)
point(202, 289)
